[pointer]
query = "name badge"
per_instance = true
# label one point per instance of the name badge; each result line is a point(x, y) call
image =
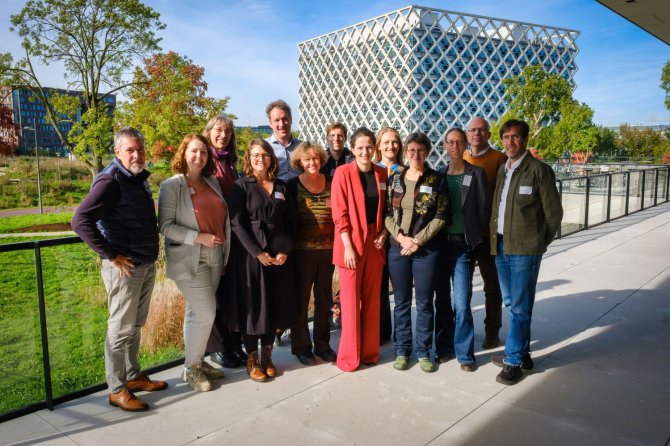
point(467, 179)
point(426, 190)
point(279, 196)
point(382, 186)
point(525, 190)
point(191, 190)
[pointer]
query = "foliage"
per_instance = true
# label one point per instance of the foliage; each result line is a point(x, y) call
point(536, 96)
point(7, 124)
point(574, 132)
point(97, 41)
point(168, 101)
point(642, 143)
point(93, 134)
point(665, 83)
point(244, 137)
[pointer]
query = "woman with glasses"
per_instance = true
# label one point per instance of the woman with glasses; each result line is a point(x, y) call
point(358, 197)
point(469, 214)
point(388, 154)
point(259, 298)
point(417, 211)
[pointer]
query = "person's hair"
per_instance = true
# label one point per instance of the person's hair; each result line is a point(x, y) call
point(267, 148)
point(457, 130)
point(377, 157)
point(226, 121)
point(521, 125)
point(179, 164)
point(487, 127)
point(304, 147)
point(281, 105)
point(420, 139)
point(362, 131)
point(127, 132)
point(336, 125)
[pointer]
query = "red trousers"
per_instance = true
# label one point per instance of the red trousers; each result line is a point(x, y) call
point(359, 301)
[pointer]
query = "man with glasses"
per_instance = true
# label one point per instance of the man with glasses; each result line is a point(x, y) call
point(117, 220)
point(526, 215)
point(481, 154)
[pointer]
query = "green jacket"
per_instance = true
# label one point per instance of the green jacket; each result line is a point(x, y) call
point(533, 211)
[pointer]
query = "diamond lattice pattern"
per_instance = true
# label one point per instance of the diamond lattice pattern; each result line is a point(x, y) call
point(421, 69)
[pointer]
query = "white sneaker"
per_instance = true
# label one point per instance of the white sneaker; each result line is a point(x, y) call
point(196, 378)
point(211, 372)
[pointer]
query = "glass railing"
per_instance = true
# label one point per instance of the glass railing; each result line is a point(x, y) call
point(591, 198)
point(53, 308)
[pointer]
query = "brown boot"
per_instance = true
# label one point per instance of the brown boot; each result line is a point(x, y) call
point(254, 369)
point(266, 361)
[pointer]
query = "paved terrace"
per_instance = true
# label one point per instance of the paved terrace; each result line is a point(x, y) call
point(601, 342)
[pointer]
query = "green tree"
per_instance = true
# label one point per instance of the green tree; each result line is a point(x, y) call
point(536, 97)
point(168, 100)
point(97, 41)
point(574, 132)
point(640, 143)
point(665, 83)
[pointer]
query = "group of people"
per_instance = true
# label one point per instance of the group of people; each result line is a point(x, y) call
point(247, 249)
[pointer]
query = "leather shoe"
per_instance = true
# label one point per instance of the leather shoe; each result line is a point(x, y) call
point(142, 382)
point(127, 401)
point(328, 356)
point(526, 362)
point(509, 375)
point(226, 360)
point(306, 358)
point(469, 367)
point(490, 341)
point(241, 356)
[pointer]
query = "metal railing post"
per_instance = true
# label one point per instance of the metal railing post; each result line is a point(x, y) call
point(48, 392)
point(627, 173)
point(586, 205)
point(644, 181)
point(609, 197)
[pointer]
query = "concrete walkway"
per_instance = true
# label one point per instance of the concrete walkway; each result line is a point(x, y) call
point(601, 343)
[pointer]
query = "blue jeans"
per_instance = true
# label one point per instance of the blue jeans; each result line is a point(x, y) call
point(418, 268)
point(454, 329)
point(518, 278)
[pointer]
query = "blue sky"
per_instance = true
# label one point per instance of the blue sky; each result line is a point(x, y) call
point(248, 48)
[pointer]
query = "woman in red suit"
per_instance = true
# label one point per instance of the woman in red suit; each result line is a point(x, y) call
point(358, 197)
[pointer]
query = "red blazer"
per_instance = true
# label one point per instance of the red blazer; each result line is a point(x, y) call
point(348, 207)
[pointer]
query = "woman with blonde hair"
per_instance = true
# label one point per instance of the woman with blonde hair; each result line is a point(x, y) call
point(193, 217)
point(313, 252)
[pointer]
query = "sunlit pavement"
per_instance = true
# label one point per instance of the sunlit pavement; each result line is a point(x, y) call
point(601, 343)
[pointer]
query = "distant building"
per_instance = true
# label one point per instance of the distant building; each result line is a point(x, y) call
point(422, 69)
point(28, 111)
point(264, 129)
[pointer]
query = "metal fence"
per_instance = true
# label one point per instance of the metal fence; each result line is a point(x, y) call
point(588, 199)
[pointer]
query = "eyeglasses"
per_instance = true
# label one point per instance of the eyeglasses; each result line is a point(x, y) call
point(453, 142)
point(477, 130)
point(413, 151)
point(255, 156)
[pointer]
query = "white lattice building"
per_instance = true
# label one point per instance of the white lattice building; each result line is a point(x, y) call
point(422, 69)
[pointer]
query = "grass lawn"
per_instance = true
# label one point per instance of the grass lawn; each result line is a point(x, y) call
point(20, 222)
point(76, 320)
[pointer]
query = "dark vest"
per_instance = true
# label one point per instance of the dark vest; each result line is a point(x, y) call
point(131, 226)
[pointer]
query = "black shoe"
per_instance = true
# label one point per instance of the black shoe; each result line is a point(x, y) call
point(328, 356)
point(526, 362)
point(509, 375)
point(306, 358)
point(225, 360)
point(241, 356)
point(490, 341)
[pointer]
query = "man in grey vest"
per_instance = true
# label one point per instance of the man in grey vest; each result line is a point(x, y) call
point(117, 220)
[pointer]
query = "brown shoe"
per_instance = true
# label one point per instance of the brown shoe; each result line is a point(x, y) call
point(254, 369)
point(266, 361)
point(142, 382)
point(127, 401)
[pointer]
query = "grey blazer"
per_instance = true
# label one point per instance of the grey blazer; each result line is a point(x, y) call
point(476, 209)
point(177, 223)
